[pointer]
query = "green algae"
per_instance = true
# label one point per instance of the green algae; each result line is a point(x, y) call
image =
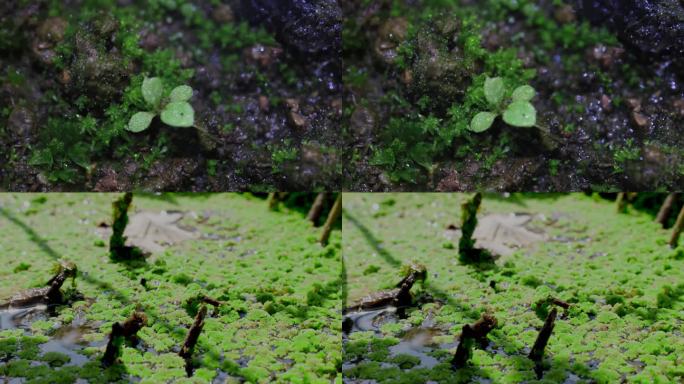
point(622, 282)
point(280, 315)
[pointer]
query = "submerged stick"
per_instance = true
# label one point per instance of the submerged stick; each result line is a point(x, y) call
point(469, 334)
point(677, 229)
point(537, 352)
point(191, 339)
point(316, 208)
point(120, 334)
point(334, 214)
point(665, 209)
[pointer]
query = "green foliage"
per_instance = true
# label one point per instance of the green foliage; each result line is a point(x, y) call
point(174, 111)
point(518, 113)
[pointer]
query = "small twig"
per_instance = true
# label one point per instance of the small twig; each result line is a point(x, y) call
point(665, 209)
point(211, 301)
point(560, 303)
point(677, 229)
point(54, 294)
point(121, 333)
point(469, 334)
point(537, 352)
point(316, 208)
point(191, 339)
point(334, 214)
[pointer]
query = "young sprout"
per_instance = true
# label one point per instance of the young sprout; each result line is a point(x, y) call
point(174, 111)
point(518, 112)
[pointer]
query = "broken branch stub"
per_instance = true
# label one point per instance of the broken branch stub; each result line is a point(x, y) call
point(665, 209)
point(119, 221)
point(537, 352)
point(334, 214)
point(469, 222)
point(469, 334)
point(120, 334)
point(316, 208)
point(191, 339)
point(677, 229)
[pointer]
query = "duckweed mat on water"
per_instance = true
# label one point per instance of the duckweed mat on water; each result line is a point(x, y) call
point(621, 279)
point(279, 321)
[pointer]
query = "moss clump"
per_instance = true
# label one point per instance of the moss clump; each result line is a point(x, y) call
point(405, 361)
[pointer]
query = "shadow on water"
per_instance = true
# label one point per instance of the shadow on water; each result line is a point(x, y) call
point(152, 315)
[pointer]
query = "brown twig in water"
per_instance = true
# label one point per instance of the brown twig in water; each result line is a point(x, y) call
point(560, 303)
point(191, 339)
point(677, 229)
point(317, 208)
point(470, 333)
point(334, 214)
point(121, 333)
point(665, 209)
point(537, 352)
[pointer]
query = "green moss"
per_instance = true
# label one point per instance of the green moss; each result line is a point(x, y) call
point(231, 267)
point(405, 361)
point(622, 286)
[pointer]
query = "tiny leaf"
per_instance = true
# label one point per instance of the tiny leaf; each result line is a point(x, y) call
point(152, 88)
point(182, 93)
point(494, 90)
point(140, 121)
point(178, 114)
point(524, 93)
point(520, 114)
point(482, 122)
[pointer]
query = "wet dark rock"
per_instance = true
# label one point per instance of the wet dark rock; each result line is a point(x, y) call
point(48, 35)
point(96, 68)
point(679, 106)
point(294, 115)
point(263, 55)
point(654, 28)
point(565, 14)
point(437, 67)
point(312, 27)
point(362, 122)
point(170, 174)
point(21, 121)
point(223, 13)
point(390, 35)
point(605, 56)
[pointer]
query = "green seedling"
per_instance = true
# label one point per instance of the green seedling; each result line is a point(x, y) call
point(174, 110)
point(519, 112)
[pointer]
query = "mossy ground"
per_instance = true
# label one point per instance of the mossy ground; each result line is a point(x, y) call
point(70, 77)
point(280, 321)
point(623, 281)
point(412, 137)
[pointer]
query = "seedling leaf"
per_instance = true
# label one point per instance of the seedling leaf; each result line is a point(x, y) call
point(140, 121)
point(182, 93)
point(524, 93)
point(520, 114)
point(482, 122)
point(494, 91)
point(178, 114)
point(152, 89)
